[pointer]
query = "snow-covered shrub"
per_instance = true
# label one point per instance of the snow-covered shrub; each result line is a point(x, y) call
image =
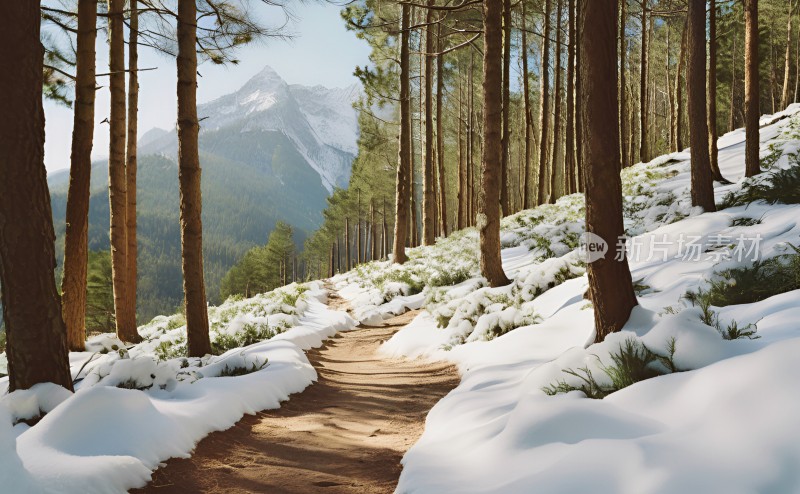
point(631, 363)
point(758, 281)
point(236, 323)
point(780, 186)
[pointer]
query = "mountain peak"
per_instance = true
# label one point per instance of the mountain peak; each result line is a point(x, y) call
point(267, 78)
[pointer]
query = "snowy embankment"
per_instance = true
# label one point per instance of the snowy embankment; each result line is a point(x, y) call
point(718, 410)
point(135, 408)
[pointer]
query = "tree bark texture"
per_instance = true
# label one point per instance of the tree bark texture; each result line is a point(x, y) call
point(610, 284)
point(189, 178)
point(73, 283)
point(36, 336)
point(489, 196)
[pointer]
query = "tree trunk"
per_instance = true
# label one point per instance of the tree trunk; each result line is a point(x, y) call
point(579, 162)
point(555, 168)
point(751, 90)
point(358, 231)
point(787, 58)
point(130, 155)
point(702, 186)
point(36, 336)
point(331, 261)
point(73, 284)
point(528, 117)
point(489, 197)
point(544, 108)
point(644, 152)
point(732, 112)
point(677, 118)
point(440, 135)
point(623, 52)
point(428, 179)
point(610, 284)
point(373, 239)
point(712, 93)
point(347, 254)
point(506, 131)
point(569, 158)
point(462, 169)
point(189, 178)
point(471, 144)
point(117, 177)
point(404, 142)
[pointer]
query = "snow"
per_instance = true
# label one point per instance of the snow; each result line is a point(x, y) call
point(106, 439)
point(718, 416)
point(724, 423)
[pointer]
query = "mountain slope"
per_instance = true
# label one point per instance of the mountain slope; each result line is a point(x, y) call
point(269, 152)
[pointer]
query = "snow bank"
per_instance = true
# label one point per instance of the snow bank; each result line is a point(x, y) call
point(106, 439)
point(723, 423)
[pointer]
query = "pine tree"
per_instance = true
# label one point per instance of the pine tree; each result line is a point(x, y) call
point(489, 198)
point(117, 176)
point(73, 283)
point(404, 142)
point(702, 186)
point(198, 341)
point(36, 336)
point(751, 89)
point(130, 156)
point(610, 284)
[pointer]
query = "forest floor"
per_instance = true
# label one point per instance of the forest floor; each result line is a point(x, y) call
point(345, 434)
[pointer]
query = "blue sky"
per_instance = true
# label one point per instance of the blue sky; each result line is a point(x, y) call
point(321, 52)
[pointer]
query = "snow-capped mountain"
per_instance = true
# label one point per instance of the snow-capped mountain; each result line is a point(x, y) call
point(320, 122)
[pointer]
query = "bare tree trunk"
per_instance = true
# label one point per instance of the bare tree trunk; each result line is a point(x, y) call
point(373, 250)
point(130, 155)
point(677, 118)
point(428, 179)
point(440, 135)
point(579, 161)
point(712, 93)
point(787, 59)
point(189, 179)
point(358, 231)
point(732, 112)
point(751, 89)
point(462, 169)
point(544, 108)
point(117, 177)
point(36, 336)
point(331, 261)
point(471, 143)
point(489, 198)
point(570, 137)
point(623, 52)
point(702, 186)
point(528, 117)
point(506, 131)
point(404, 140)
point(73, 284)
point(347, 254)
point(555, 168)
point(610, 284)
point(797, 70)
point(644, 152)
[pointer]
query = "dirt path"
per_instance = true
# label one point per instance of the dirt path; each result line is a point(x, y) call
point(344, 434)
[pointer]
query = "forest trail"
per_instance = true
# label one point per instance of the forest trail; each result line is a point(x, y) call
point(346, 433)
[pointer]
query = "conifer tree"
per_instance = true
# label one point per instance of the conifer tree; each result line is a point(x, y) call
point(36, 336)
